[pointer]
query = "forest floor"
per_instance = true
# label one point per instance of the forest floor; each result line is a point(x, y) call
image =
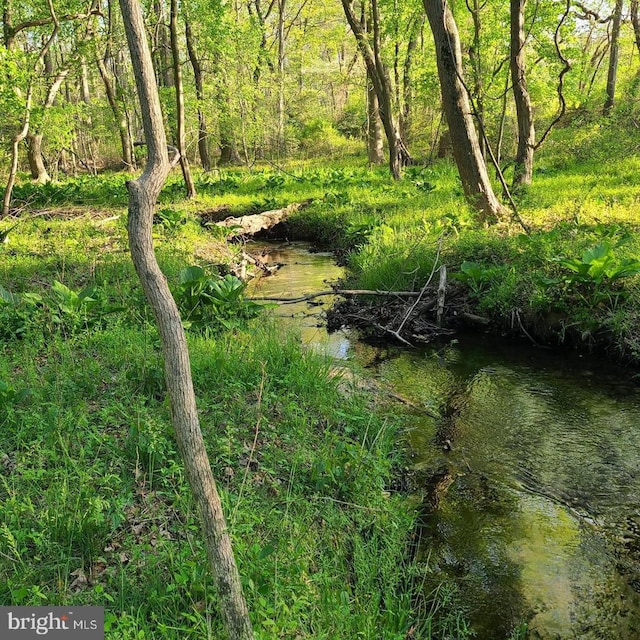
point(95, 508)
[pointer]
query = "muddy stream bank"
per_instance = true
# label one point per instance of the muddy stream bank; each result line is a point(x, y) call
point(530, 476)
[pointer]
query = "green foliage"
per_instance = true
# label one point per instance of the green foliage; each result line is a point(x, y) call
point(94, 489)
point(18, 313)
point(79, 310)
point(65, 310)
point(598, 265)
point(477, 277)
point(212, 303)
point(170, 219)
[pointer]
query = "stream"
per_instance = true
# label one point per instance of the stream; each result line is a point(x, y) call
point(531, 477)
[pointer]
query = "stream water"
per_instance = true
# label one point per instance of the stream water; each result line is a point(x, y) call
point(532, 475)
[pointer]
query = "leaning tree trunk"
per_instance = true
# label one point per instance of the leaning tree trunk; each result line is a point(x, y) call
point(455, 100)
point(523, 173)
point(614, 55)
point(35, 155)
point(399, 156)
point(179, 91)
point(203, 135)
point(143, 194)
point(119, 116)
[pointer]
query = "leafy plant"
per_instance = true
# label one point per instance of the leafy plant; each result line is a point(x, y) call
point(170, 219)
point(599, 264)
point(18, 313)
point(76, 310)
point(210, 303)
point(595, 273)
point(475, 275)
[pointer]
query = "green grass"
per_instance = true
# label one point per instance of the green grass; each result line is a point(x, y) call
point(96, 510)
point(94, 507)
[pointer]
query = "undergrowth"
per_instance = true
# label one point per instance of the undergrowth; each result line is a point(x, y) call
point(94, 506)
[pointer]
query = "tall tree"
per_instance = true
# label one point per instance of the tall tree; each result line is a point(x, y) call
point(455, 100)
point(203, 133)
point(110, 82)
point(35, 138)
point(523, 172)
point(378, 73)
point(179, 93)
point(143, 194)
point(27, 110)
point(614, 55)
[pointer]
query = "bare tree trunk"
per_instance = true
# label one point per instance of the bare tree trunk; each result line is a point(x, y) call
point(399, 156)
point(466, 148)
point(143, 194)
point(523, 173)
point(85, 93)
point(162, 45)
point(203, 135)
point(635, 21)
point(228, 147)
point(179, 90)
point(614, 55)
point(281, 141)
point(476, 64)
point(35, 157)
point(34, 148)
point(118, 115)
point(375, 144)
point(407, 87)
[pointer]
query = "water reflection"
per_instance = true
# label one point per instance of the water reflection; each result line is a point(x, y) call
point(303, 273)
point(534, 510)
point(537, 521)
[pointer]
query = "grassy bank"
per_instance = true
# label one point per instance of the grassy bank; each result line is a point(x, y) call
point(94, 505)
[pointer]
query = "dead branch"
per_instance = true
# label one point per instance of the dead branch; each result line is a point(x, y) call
point(339, 292)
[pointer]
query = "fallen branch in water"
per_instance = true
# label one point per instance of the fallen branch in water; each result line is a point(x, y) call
point(340, 292)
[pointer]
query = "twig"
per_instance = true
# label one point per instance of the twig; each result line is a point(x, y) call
point(442, 290)
point(255, 442)
point(424, 288)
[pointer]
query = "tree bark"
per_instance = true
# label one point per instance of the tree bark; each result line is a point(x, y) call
point(162, 46)
point(475, 57)
point(399, 156)
point(203, 134)
point(635, 21)
point(375, 144)
point(35, 157)
point(523, 172)
point(143, 194)
point(281, 134)
point(179, 91)
point(407, 86)
point(466, 148)
point(614, 55)
point(118, 115)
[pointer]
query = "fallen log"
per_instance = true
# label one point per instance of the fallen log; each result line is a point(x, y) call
point(252, 224)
